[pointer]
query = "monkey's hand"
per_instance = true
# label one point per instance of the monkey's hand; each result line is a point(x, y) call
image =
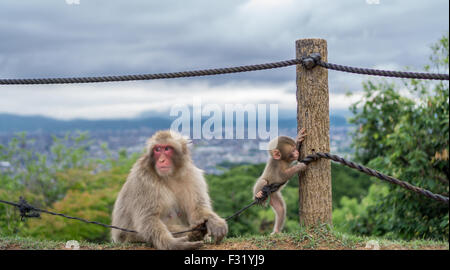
point(259, 194)
point(184, 243)
point(301, 135)
point(217, 227)
point(300, 167)
point(257, 189)
point(199, 232)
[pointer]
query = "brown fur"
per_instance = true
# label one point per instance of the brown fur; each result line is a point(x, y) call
point(155, 206)
point(279, 171)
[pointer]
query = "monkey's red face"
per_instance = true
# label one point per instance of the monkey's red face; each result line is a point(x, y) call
point(163, 155)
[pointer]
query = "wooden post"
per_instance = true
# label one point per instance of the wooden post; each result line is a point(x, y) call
point(315, 202)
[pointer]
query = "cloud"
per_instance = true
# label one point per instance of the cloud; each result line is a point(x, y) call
point(130, 99)
point(94, 38)
point(102, 101)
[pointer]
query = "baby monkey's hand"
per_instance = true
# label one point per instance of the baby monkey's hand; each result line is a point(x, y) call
point(259, 194)
point(301, 135)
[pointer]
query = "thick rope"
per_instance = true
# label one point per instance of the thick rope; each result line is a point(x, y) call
point(309, 62)
point(315, 59)
point(385, 73)
point(25, 208)
point(368, 171)
point(184, 74)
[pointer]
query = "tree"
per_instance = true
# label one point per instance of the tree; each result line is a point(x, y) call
point(403, 132)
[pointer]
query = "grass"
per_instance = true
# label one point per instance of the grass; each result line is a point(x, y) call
point(17, 242)
point(317, 238)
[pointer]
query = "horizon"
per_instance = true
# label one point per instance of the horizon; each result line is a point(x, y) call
point(284, 116)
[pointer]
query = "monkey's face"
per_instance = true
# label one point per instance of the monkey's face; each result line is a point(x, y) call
point(163, 156)
point(287, 153)
point(293, 155)
point(290, 153)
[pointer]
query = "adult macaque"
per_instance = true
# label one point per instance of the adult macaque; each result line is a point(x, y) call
point(166, 193)
point(280, 167)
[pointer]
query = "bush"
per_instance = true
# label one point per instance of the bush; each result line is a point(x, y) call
point(404, 132)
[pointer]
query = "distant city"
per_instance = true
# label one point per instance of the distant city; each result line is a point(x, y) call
point(213, 156)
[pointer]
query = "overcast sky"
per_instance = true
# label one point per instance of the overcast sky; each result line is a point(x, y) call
point(93, 38)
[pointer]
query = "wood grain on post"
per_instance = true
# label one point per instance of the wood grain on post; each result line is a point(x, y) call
point(315, 202)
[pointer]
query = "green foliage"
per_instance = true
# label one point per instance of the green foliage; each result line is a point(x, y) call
point(66, 181)
point(349, 183)
point(403, 132)
point(91, 196)
point(353, 216)
point(33, 175)
point(87, 188)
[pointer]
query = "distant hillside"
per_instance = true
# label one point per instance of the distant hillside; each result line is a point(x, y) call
point(16, 123)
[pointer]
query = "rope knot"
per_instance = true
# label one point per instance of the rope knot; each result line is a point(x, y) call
point(312, 60)
point(26, 210)
point(310, 158)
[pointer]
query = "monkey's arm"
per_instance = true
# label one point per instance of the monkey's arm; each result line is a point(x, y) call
point(290, 171)
point(202, 212)
point(153, 230)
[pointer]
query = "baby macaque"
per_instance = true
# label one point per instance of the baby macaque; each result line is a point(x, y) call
point(280, 167)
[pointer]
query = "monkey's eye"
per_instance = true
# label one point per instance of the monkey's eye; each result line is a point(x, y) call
point(167, 148)
point(158, 149)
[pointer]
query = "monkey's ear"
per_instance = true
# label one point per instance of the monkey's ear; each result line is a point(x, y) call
point(187, 145)
point(276, 154)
